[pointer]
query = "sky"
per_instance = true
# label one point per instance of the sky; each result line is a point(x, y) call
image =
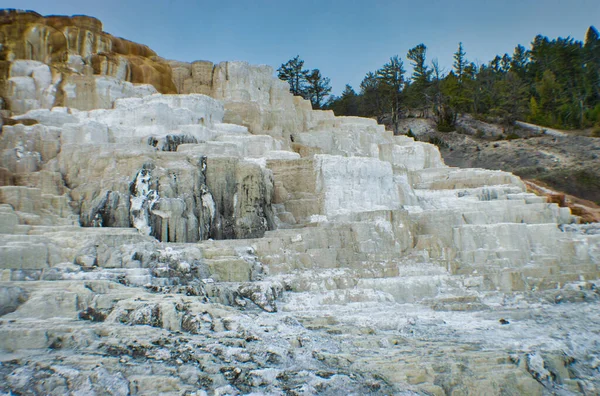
point(344, 39)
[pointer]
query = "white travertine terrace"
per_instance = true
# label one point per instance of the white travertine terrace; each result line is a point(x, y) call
point(294, 249)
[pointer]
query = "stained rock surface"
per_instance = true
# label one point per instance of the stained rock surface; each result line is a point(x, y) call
point(230, 240)
point(69, 61)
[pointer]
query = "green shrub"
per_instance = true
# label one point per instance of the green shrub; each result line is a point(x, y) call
point(445, 128)
point(438, 142)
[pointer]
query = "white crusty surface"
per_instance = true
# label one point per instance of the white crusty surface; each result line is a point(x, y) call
point(242, 243)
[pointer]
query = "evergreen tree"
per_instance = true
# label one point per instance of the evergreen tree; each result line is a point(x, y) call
point(505, 63)
point(460, 62)
point(548, 91)
point(391, 78)
point(439, 99)
point(592, 37)
point(512, 99)
point(452, 90)
point(463, 71)
point(417, 91)
point(519, 61)
point(592, 75)
point(317, 88)
point(560, 64)
point(495, 64)
point(556, 83)
point(345, 105)
point(421, 73)
point(371, 97)
point(483, 93)
point(292, 71)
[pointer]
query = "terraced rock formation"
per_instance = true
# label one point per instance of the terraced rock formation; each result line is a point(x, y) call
point(242, 242)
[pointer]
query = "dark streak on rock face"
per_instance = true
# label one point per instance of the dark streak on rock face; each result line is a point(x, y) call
point(221, 198)
point(243, 193)
point(170, 142)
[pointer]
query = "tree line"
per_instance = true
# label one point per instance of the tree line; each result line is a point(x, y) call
point(555, 83)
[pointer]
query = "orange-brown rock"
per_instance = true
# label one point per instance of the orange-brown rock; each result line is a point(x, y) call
point(588, 211)
point(78, 45)
point(195, 77)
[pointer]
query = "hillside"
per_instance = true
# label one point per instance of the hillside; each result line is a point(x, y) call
point(567, 162)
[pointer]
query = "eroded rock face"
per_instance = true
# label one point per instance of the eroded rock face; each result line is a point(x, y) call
point(34, 85)
point(173, 196)
point(70, 61)
point(230, 240)
point(252, 97)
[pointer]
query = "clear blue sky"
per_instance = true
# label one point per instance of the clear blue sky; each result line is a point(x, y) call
point(343, 38)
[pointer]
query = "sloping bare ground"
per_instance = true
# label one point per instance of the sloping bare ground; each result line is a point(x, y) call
point(567, 164)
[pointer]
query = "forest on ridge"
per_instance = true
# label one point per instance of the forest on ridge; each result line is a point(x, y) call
point(554, 83)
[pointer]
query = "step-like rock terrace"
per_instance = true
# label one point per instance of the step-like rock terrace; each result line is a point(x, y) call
point(228, 239)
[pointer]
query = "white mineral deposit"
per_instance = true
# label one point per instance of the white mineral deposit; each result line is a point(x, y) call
point(228, 239)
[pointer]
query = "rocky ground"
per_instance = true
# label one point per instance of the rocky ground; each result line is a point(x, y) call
point(565, 161)
point(526, 343)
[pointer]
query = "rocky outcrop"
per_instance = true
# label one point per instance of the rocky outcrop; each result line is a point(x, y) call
point(33, 85)
point(70, 61)
point(251, 97)
point(230, 240)
point(195, 77)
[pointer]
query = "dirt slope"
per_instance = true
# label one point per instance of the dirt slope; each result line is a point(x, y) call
point(559, 162)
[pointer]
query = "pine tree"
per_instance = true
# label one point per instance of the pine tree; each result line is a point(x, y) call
point(317, 88)
point(292, 72)
point(417, 91)
point(519, 61)
point(505, 63)
point(592, 37)
point(463, 71)
point(345, 105)
point(592, 75)
point(421, 73)
point(460, 62)
point(548, 90)
point(512, 99)
point(534, 112)
point(439, 99)
point(391, 77)
point(495, 64)
point(371, 97)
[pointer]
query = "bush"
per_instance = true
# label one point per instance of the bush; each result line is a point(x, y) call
point(438, 142)
point(444, 127)
point(592, 116)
